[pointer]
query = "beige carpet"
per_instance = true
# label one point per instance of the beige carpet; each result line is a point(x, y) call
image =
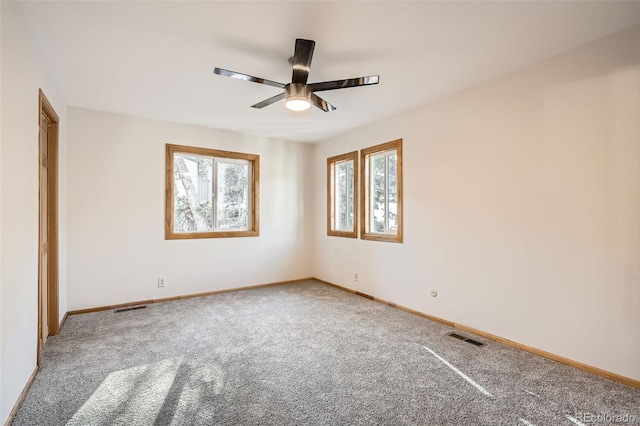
point(299, 354)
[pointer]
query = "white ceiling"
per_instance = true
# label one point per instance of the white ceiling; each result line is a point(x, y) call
point(155, 58)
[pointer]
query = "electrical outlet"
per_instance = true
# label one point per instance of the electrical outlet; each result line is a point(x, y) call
point(160, 282)
point(356, 277)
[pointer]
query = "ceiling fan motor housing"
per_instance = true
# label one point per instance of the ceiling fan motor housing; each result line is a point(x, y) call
point(297, 91)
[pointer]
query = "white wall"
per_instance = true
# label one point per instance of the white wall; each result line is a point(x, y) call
point(22, 74)
point(117, 248)
point(522, 207)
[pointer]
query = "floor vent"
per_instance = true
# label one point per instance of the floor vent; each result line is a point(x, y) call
point(133, 308)
point(457, 336)
point(465, 339)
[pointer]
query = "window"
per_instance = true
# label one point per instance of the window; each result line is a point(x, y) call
point(342, 209)
point(211, 193)
point(381, 192)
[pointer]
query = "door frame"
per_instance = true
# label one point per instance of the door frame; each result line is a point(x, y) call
point(45, 108)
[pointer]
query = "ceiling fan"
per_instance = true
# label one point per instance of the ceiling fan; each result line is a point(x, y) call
point(299, 95)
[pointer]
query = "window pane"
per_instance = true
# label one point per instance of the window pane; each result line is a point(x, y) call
point(343, 199)
point(232, 200)
point(192, 207)
point(350, 196)
point(378, 189)
point(211, 193)
point(341, 202)
point(381, 186)
point(392, 181)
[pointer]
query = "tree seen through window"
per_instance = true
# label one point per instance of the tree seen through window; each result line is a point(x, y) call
point(211, 193)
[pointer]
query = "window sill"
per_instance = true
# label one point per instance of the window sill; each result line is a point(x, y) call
point(388, 238)
point(218, 234)
point(343, 234)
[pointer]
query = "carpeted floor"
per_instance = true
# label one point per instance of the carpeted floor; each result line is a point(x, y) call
point(299, 354)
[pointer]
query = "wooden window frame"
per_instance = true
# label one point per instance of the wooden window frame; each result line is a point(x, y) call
point(254, 186)
point(365, 201)
point(331, 162)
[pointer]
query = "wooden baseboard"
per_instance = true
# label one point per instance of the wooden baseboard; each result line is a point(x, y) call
point(577, 364)
point(386, 302)
point(21, 398)
point(186, 296)
point(585, 367)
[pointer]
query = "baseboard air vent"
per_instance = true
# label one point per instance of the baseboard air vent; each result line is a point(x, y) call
point(465, 339)
point(132, 308)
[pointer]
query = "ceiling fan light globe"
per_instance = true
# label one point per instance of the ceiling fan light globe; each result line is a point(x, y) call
point(297, 104)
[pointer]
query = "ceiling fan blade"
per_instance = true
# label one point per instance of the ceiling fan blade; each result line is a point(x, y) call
point(343, 84)
point(269, 101)
point(247, 77)
point(321, 103)
point(302, 60)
